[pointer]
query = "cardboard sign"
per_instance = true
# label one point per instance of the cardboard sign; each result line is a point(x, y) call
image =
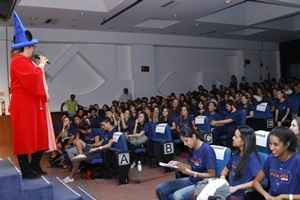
point(160, 128)
point(262, 107)
point(262, 138)
point(168, 148)
point(116, 136)
point(200, 120)
point(219, 151)
point(123, 159)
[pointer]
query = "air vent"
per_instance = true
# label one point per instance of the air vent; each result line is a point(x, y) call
point(168, 4)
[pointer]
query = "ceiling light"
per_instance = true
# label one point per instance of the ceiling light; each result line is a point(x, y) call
point(228, 1)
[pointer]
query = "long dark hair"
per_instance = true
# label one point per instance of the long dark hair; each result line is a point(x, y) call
point(286, 136)
point(161, 117)
point(187, 131)
point(249, 139)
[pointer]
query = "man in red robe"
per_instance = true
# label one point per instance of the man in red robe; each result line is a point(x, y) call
point(28, 100)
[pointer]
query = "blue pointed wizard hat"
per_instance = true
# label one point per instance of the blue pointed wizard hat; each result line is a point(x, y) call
point(22, 37)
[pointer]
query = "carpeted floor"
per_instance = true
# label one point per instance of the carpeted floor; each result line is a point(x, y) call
point(108, 189)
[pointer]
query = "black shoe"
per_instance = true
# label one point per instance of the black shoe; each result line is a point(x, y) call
point(123, 180)
point(30, 175)
point(35, 162)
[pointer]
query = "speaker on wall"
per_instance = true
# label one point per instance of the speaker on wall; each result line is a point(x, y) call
point(145, 68)
point(247, 62)
point(6, 8)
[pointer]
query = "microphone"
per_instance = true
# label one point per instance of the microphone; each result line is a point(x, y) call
point(37, 57)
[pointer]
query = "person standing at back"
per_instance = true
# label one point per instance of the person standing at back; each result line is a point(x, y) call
point(126, 96)
point(71, 104)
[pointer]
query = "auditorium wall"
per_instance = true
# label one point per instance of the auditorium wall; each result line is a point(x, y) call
point(97, 65)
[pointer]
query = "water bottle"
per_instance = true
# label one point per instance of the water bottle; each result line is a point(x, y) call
point(139, 166)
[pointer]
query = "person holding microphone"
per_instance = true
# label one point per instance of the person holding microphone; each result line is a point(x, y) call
point(28, 103)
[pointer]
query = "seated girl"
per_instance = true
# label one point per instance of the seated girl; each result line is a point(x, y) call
point(243, 165)
point(139, 136)
point(202, 165)
point(281, 168)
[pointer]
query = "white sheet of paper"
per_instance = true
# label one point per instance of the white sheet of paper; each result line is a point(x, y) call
point(200, 120)
point(262, 107)
point(160, 128)
point(167, 165)
point(262, 138)
point(219, 151)
point(211, 187)
point(116, 136)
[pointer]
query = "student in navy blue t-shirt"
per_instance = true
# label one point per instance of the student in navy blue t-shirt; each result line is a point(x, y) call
point(214, 115)
point(184, 119)
point(281, 168)
point(85, 140)
point(139, 137)
point(294, 102)
point(243, 165)
point(201, 165)
point(164, 117)
point(233, 118)
point(246, 107)
point(282, 108)
point(106, 136)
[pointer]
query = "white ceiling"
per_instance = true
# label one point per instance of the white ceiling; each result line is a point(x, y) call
point(267, 20)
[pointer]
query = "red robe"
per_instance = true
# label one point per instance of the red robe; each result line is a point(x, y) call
point(27, 107)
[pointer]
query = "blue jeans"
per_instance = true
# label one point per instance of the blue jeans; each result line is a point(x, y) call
point(179, 189)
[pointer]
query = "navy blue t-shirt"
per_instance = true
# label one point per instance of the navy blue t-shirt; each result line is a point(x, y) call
point(283, 176)
point(185, 122)
point(246, 108)
point(216, 116)
point(202, 160)
point(217, 130)
point(95, 121)
point(294, 102)
point(236, 121)
point(174, 116)
point(74, 129)
point(147, 127)
point(235, 116)
point(282, 108)
point(251, 169)
point(89, 138)
point(107, 135)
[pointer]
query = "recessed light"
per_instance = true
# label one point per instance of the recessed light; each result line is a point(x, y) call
point(228, 1)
